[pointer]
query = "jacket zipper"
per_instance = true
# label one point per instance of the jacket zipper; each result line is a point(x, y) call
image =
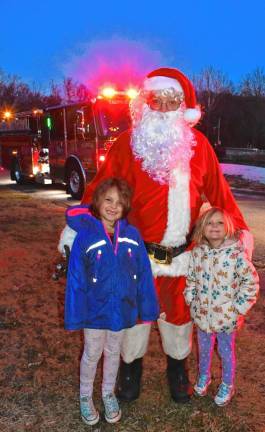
point(210, 287)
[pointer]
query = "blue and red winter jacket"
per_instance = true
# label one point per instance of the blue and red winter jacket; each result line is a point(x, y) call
point(109, 284)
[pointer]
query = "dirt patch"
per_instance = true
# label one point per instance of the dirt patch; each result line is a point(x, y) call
point(40, 361)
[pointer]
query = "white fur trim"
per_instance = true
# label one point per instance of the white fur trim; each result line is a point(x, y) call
point(178, 267)
point(135, 342)
point(178, 220)
point(66, 239)
point(192, 115)
point(161, 83)
point(176, 340)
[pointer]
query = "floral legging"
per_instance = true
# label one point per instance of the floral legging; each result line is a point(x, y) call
point(226, 350)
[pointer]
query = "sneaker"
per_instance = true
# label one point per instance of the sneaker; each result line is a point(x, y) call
point(89, 414)
point(112, 409)
point(202, 385)
point(224, 394)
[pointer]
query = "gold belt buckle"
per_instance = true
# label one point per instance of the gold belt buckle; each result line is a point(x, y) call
point(168, 257)
point(166, 261)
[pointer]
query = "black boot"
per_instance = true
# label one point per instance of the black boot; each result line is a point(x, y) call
point(129, 380)
point(179, 385)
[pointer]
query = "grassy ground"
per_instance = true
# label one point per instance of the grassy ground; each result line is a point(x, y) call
point(39, 361)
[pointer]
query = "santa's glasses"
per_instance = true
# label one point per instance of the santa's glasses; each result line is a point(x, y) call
point(164, 100)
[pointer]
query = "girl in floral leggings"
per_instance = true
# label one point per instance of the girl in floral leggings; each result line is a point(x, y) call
point(222, 286)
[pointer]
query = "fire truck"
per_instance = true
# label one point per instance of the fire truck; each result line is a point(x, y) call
point(65, 143)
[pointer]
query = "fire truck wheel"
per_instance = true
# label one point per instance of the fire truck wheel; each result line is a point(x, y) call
point(75, 183)
point(16, 174)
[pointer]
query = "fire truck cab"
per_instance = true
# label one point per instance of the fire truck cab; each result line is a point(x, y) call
point(68, 142)
point(78, 137)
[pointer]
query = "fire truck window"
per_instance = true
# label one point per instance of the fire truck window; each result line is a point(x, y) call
point(33, 124)
point(114, 119)
point(89, 125)
point(80, 124)
point(71, 122)
point(57, 122)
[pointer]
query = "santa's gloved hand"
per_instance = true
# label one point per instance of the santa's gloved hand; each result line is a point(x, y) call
point(61, 268)
point(66, 239)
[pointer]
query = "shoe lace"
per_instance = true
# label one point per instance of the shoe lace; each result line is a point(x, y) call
point(111, 403)
point(224, 390)
point(203, 379)
point(87, 407)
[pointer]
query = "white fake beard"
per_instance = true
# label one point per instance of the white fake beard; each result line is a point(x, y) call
point(162, 141)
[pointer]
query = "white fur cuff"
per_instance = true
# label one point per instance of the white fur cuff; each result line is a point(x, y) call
point(178, 267)
point(135, 342)
point(176, 339)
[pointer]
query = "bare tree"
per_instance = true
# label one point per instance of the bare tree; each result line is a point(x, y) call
point(54, 97)
point(82, 92)
point(8, 88)
point(74, 91)
point(211, 85)
point(253, 84)
point(19, 96)
point(69, 89)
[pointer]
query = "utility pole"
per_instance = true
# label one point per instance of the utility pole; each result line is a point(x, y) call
point(218, 131)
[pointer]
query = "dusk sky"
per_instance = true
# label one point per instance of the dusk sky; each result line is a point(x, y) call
point(44, 41)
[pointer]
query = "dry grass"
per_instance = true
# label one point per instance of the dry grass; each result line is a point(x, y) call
point(40, 361)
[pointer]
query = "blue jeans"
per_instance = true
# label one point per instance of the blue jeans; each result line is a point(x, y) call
point(226, 350)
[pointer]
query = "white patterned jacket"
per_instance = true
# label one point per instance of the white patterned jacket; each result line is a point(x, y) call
point(222, 284)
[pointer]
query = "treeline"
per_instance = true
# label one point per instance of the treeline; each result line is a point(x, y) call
point(19, 96)
point(233, 115)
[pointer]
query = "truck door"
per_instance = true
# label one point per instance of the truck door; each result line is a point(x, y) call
point(86, 138)
point(82, 145)
point(57, 141)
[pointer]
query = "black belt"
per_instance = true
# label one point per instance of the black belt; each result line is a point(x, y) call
point(162, 254)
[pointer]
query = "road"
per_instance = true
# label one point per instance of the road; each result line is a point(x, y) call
point(53, 192)
point(251, 205)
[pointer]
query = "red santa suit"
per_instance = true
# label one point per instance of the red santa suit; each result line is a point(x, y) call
point(166, 215)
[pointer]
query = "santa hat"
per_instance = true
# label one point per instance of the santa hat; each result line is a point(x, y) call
point(164, 78)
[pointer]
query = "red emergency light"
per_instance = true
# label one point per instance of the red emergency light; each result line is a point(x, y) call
point(108, 92)
point(132, 92)
point(101, 158)
point(111, 92)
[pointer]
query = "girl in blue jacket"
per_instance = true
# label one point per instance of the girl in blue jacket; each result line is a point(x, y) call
point(109, 287)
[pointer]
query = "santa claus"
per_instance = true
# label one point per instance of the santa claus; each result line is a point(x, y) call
point(171, 167)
